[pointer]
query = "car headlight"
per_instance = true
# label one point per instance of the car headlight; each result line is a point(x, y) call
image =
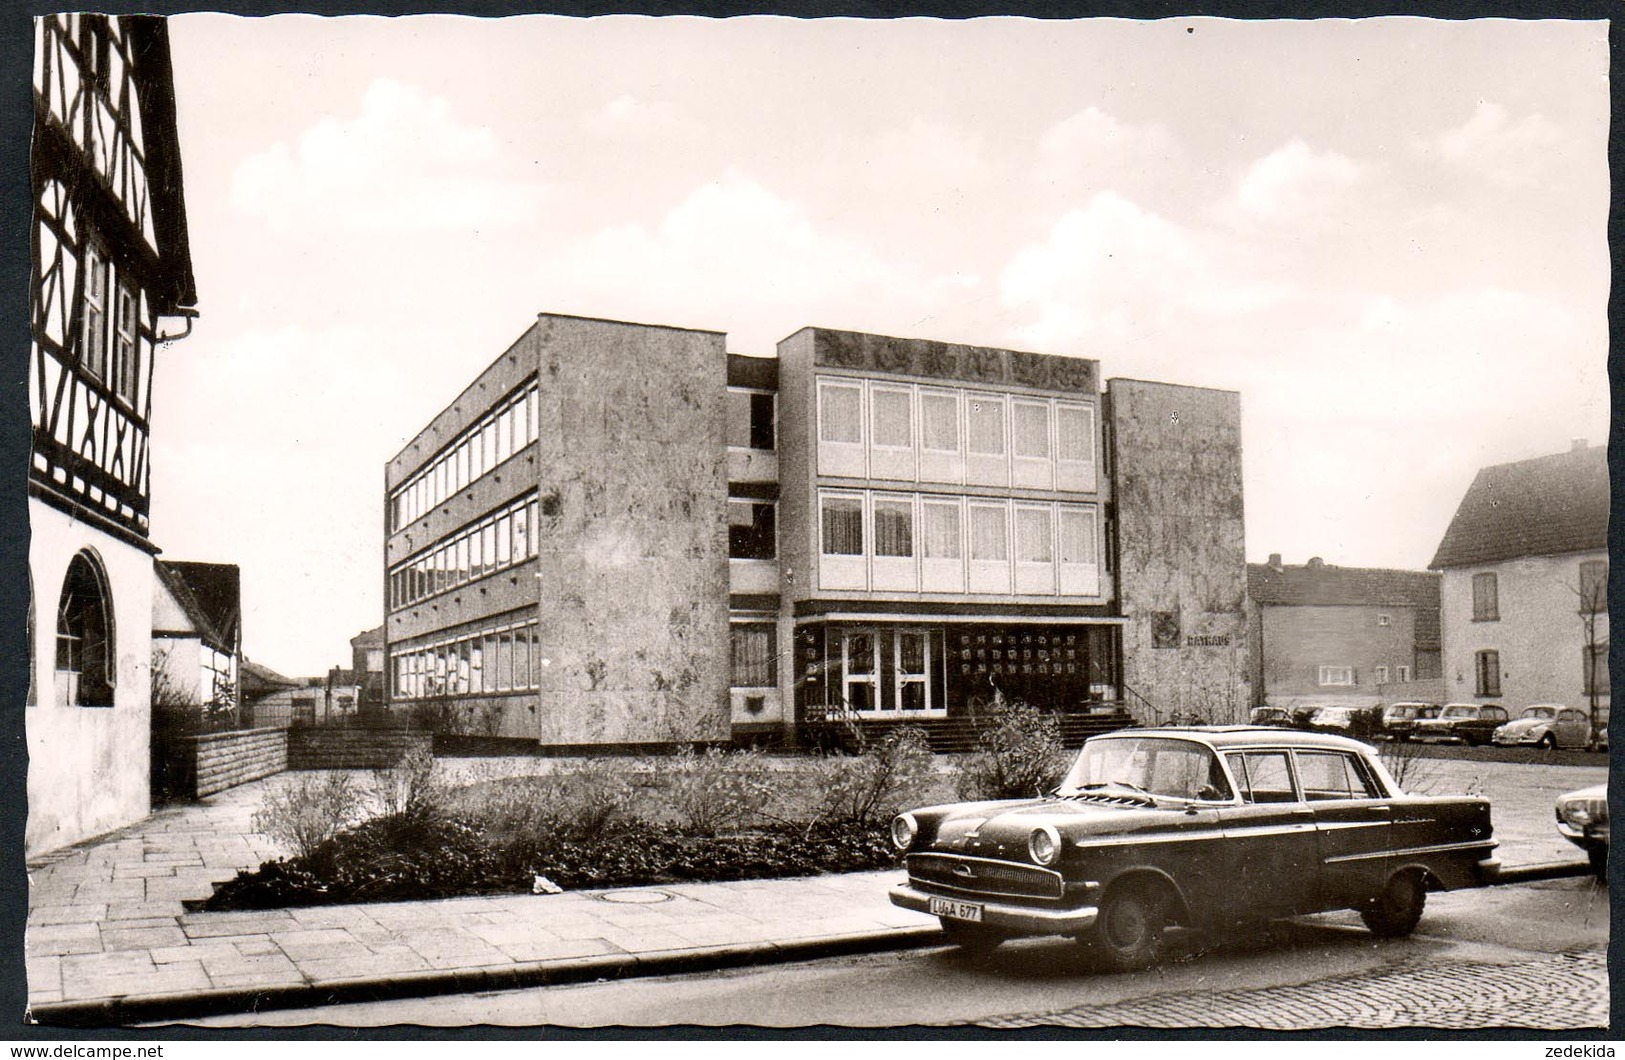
point(1044, 845)
point(903, 830)
point(1582, 813)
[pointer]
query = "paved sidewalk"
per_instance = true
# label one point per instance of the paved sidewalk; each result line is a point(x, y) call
point(110, 942)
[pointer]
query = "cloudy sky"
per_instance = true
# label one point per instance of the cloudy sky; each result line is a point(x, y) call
point(1388, 235)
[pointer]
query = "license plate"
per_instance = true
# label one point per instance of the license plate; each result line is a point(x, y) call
point(947, 907)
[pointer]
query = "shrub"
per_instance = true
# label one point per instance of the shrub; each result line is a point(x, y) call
point(713, 790)
point(305, 810)
point(1019, 755)
point(411, 788)
point(591, 799)
point(873, 786)
point(1410, 765)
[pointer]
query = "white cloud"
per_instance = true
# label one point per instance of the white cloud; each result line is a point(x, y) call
point(1518, 153)
point(1295, 185)
point(628, 117)
point(735, 256)
point(1112, 275)
point(1094, 148)
point(404, 163)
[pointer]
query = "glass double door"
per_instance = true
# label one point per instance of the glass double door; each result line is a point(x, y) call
point(891, 671)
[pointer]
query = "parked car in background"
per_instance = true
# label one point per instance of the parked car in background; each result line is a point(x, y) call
point(1399, 719)
point(1582, 817)
point(1271, 716)
point(1333, 719)
point(1202, 828)
point(1472, 723)
point(1546, 725)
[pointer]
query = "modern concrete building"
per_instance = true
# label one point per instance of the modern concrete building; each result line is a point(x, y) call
point(1342, 636)
point(619, 534)
point(111, 281)
point(1525, 589)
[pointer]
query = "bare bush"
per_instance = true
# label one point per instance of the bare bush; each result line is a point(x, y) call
point(1410, 766)
point(590, 799)
point(862, 789)
point(304, 810)
point(1019, 755)
point(714, 790)
point(411, 788)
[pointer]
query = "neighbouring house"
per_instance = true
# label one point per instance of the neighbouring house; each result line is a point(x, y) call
point(367, 666)
point(1320, 634)
point(619, 534)
point(1525, 584)
point(256, 682)
point(110, 282)
point(196, 634)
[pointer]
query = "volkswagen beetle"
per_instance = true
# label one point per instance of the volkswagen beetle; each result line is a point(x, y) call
point(1196, 827)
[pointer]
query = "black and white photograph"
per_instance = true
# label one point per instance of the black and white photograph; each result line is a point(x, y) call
point(995, 524)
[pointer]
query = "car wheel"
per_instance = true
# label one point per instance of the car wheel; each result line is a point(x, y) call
point(1128, 931)
point(974, 939)
point(1547, 742)
point(1396, 911)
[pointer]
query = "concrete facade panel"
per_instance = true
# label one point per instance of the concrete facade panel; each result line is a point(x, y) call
point(1182, 575)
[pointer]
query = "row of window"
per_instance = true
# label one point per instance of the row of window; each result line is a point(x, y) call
point(878, 430)
point(1594, 678)
point(504, 658)
point(109, 327)
point(504, 431)
point(500, 540)
point(1591, 588)
point(926, 543)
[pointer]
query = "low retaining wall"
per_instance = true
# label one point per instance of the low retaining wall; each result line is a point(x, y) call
point(316, 747)
point(227, 759)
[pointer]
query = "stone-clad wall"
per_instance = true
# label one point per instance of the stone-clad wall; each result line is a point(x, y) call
point(632, 559)
point(227, 759)
point(1182, 572)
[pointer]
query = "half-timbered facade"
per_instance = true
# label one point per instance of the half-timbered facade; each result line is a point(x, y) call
point(111, 281)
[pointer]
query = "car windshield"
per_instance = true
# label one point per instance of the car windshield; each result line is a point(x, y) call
point(1400, 712)
point(1148, 765)
point(1460, 712)
point(1541, 713)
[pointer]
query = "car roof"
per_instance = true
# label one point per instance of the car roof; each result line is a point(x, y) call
point(1222, 737)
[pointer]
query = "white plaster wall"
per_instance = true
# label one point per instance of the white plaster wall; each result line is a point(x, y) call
point(1539, 635)
point(88, 769)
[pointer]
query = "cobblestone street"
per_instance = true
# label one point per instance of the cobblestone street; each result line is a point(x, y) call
point(1565, 992)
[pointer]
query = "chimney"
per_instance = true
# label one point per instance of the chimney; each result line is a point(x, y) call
point(1315, 563)
point(1576, 445)
point(1275, 562)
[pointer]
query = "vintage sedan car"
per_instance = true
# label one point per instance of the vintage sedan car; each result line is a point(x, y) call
point(1471, 723)
point(1399, 719)
point(1582, 817)
point(1271, 716)
point(1546, 725)
point(1333, 719)
point(1201, 828)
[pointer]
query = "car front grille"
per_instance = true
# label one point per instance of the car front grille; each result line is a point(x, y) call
point(984, 876)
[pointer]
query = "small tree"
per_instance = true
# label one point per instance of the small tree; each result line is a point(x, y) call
point(1020, 755)
point(863, 789)
point(1593, 596)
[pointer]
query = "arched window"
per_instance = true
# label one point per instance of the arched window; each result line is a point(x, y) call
point(84, 637)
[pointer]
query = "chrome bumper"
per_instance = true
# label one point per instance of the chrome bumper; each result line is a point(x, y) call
point(1018, 919)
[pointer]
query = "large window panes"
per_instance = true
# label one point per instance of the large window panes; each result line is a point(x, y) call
point(986, 460)
point(840, 429)
point(842, 564)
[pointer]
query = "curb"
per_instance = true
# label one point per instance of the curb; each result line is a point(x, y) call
point(1548, 870)
point(161, 1008)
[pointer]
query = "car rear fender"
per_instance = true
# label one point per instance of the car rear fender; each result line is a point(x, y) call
point(1179, 911)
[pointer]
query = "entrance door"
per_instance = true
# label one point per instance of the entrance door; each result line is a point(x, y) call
point(860, 670)
point(913, 692)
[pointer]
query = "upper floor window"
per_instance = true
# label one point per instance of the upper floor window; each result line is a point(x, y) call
point(754, 654)
point(891, 415)
point(843, 526)
point(1402, 673)
point(840, 416)
point(1381, 675)
point(751, 529)
point(750, 420)
point(1593, 586)
point(1488, 676)
point(985, 422)
point(939, 421)
point(1486, 599)
point(93, 314)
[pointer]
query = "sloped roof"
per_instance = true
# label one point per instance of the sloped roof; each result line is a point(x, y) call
point(211, 596)
point(368, 638)
point(253, 673)
point(1323, 585)
point(1547, 506)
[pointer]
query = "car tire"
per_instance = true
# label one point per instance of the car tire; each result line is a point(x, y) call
point(974, 939)
point(1547, 742)
point(1127, 935)
point(1397, 909)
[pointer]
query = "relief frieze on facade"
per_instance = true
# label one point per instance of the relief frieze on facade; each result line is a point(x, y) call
point(942, 360)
